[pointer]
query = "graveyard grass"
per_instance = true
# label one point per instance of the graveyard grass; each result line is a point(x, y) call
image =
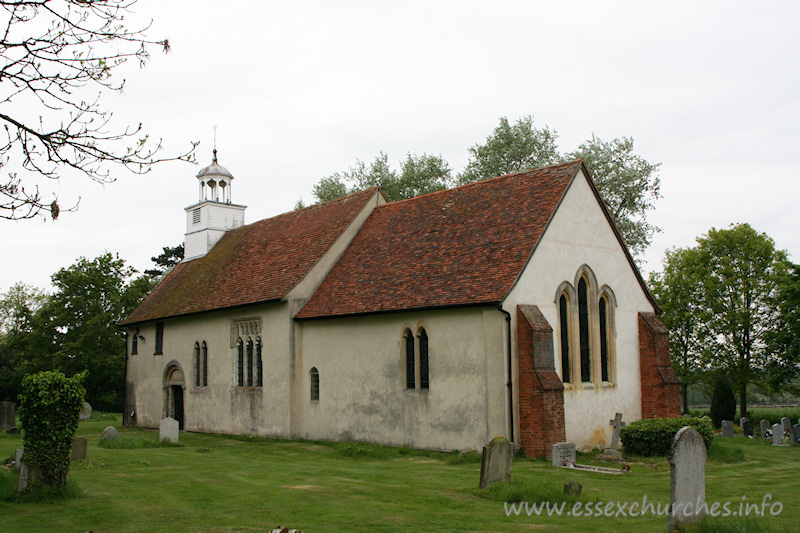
point(237, 483)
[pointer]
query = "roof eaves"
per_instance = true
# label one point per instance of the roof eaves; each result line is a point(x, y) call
point(125, 323)
point(394, 311)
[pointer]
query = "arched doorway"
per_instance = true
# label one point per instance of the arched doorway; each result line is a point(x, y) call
point(173, 393)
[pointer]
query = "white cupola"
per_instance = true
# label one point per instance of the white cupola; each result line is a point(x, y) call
point(214, 214)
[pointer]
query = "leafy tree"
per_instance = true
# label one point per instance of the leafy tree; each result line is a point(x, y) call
point(677, 291)
point(170, 257)
point(723, 403)
point(18, 309)
point(739, 271)
point(17, 305)
point(628, 184)
point(511, 149)
point(419, 174)
point(50, 54)
point(783, 341)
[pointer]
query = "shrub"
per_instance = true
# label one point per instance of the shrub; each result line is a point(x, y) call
point(723, 402)
point(654, 436)
point(50, 405)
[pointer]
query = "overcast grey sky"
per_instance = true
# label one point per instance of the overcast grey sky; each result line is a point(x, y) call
point(300, 90)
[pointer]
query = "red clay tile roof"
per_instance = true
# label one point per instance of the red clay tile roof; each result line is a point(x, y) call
point(256, 263)
point(463, 246)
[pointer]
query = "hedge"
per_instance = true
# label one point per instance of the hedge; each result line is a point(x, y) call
point(654, 436)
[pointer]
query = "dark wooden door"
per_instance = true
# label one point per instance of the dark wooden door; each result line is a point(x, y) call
point(177, 395)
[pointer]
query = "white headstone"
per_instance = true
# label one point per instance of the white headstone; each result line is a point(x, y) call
point(168, 430)
point(563, 453)
point(18, 457)
point(109, 433)
point(86, 411)
point(498, 457)
point(687, 478)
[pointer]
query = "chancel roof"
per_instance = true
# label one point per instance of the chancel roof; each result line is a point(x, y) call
point(459, 247)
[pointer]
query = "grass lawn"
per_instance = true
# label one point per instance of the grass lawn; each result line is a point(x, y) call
point(227, 483)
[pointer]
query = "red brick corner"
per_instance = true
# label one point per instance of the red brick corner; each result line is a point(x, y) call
point(660, 392)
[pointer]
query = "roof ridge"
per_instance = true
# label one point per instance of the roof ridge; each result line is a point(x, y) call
point(484, 181)
point(310, 207)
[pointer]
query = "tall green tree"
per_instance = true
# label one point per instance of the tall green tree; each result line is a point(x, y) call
point(170, 257)
point(783, 341)
point(18, 311)
point(739, 270)
point(628, 184)
point(418, 174)
point(678, 291)
point(511, 148)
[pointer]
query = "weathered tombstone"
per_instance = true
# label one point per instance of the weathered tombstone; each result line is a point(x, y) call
point(796, 434)
point(613, 452)
point(7, 416)
point(563, 453)
point(22, 484)
point(86, 411)
point(168, 430)
point(573, 488)
point(727, 428)
point(18, 457)
point(687, 415)
point(79, 446)
point(777, 434)
point(109, 433)
point(13, 431)
point(747, 426)
point(687, 478)
point(498, 457)
point(787, 425)
point(765, 429)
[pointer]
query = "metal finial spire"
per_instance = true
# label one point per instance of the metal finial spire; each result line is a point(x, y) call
point(214, 160)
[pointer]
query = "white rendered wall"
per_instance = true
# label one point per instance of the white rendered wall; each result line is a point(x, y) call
point(362, 380)
point(579, 234)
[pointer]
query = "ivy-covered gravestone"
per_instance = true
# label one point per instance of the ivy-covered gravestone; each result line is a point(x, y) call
point(49, 407)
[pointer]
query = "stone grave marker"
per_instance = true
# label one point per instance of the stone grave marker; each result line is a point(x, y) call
point(747, 426)
point(796, 434)
point(764, 428)
point(687, 478)
point(109, 433)
point(79, 447)
point(18, 457)
point(563, 453)
point(498, 457)
point(787, 425)
point(86, 411)
point(168, 430)
point(22, 484)
point(727, 428)
point(8, 418)
point(613, 453)
point(777, 434)
point(573, 488)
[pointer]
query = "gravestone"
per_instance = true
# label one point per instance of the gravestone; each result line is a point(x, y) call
point(7, 416)
point(86, 411)
point(613, 452)
point(687, 415)
point(687, 478)
point(498, 457)
point(573, 488)
point(168, 430)
point(563, 453)
point(777, 434)
point(727, 428)
point(787, 425)
point(79, 446)
point(109, 433)
point(765, 429)
point(22, 484)
point(747, 426)
point(18, 457)
point(796, 434)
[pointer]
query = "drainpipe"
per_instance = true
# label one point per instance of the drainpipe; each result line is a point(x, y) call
point(509, 382)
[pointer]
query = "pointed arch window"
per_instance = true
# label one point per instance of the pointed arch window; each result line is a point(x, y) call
point(563, 312)
point(249, 362)
point(259, 367)
point(424, 382)
point(583, 327)
point(411, 379)
point(205, 364)
point(240, 363)
point(197, 365)
point(314, 382)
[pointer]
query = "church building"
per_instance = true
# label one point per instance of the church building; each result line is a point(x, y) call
point(506, 307)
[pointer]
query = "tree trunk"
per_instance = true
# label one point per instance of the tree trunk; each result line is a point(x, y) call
point(743, 400)
point(685, 396)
